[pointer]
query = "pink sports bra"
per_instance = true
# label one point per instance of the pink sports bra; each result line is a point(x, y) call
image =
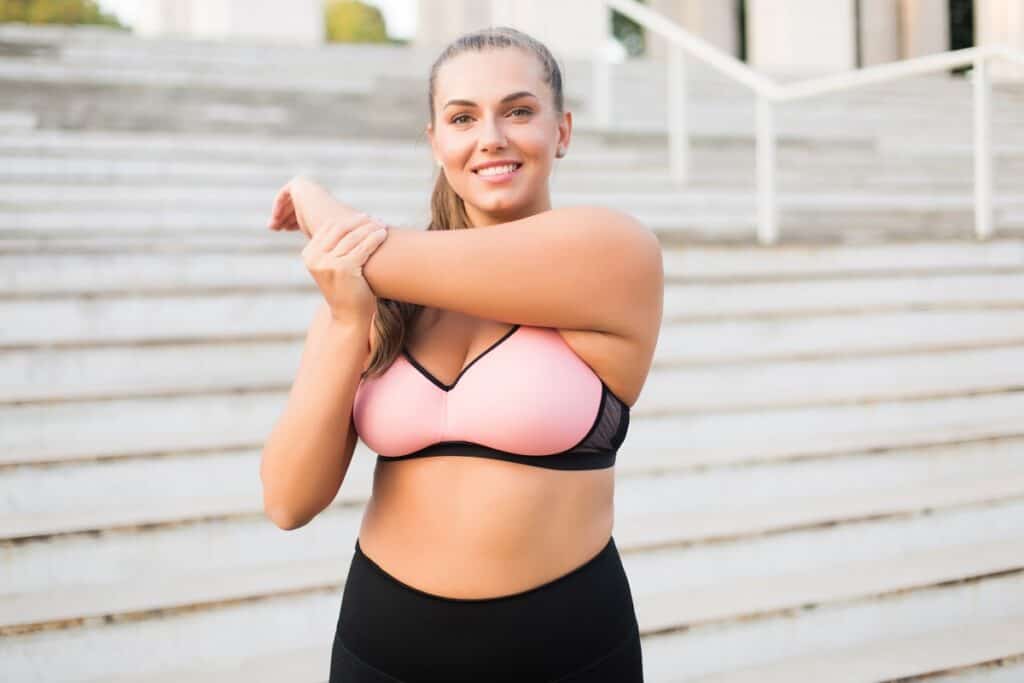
point(528, 398)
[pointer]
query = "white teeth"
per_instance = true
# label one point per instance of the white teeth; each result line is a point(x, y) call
point(497, 170)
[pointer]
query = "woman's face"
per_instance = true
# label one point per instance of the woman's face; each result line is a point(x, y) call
point(475, 124)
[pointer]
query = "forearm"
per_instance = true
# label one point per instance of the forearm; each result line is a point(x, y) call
point(304, 459)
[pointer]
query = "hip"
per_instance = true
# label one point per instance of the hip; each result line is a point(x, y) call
point(580, 626)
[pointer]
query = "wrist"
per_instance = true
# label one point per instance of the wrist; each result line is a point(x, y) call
point(326, 211)
point(347, 324)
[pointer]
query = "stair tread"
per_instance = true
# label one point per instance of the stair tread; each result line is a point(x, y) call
point(357, 487)
point(888, 659)
point(660, 610)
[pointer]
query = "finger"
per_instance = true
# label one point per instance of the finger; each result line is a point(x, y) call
point(279, 200)
point(286, 217)
point(285, 203)
point(284, 206)
point(362, 251)
point(353, 238)
point(319, 240)
point(277, 212)
point(348, 224)
point(281, 223)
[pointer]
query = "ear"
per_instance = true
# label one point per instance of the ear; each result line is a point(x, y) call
point(565, 130)
point(430, 136)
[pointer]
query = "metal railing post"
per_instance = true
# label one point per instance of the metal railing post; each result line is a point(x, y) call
point(767, 202)
point(678, 126)
point(983, 218)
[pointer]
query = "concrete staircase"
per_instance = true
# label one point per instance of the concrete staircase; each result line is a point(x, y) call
point(824, 477)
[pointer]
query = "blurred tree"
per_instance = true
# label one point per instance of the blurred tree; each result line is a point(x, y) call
point(56, 12)
point(629, 33)
point(352, 21)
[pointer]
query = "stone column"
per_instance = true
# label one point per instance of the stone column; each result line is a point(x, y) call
point(925, 27)
point(801, 38)
point(880, 33)
point(716, 21)
point(1001, 22)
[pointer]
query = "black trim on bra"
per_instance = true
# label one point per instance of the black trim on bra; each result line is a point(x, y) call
point(429, 375)
point(570, 461)
point(448, 387)
point(595, 450)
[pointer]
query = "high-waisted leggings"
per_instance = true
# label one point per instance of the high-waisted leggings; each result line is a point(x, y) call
point(578, 628)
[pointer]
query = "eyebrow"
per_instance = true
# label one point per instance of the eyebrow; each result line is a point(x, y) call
point(506, 98)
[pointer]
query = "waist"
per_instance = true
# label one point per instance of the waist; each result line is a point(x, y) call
point(509, 526)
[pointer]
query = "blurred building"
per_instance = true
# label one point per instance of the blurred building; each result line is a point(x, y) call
point(783, 38)
point(281, 21)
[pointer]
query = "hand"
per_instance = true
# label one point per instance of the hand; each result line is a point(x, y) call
point(335, 256)
point(304, 205)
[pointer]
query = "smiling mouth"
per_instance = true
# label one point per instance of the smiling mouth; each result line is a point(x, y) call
point(515, 168)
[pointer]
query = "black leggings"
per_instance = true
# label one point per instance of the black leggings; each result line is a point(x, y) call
point(578, 628)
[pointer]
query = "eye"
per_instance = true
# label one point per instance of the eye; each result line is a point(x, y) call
point(457, 118)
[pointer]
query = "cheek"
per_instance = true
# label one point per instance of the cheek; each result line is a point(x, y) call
point(455, 150)
point(535, 141)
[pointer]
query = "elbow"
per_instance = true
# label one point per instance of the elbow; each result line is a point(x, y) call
point(278, 511)
point(284, 519)
point(291, 504)
point(279, 515)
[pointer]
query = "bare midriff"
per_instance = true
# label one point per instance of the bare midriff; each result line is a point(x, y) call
point(468, 527)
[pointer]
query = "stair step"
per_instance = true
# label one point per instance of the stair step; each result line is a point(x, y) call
point(138, 317)
point(890, 659)
point(97, 263)
point(308, 665)
point(90, 496)
point(699, 365)
point(660, 610)
point(688, 535)
point(666, 528)
point(65, 432)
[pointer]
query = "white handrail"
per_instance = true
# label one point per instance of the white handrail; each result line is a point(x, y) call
point(770, 93)
point(881, 73)
point(696, 46)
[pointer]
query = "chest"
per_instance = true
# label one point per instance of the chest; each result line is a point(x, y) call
point(528, 394)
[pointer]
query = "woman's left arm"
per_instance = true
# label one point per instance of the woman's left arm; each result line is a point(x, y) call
point(585, 268)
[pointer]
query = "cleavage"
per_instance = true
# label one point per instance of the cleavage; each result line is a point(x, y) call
point(472, 355)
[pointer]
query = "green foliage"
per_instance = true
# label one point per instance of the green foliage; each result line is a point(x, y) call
point(352, 21)
point(56, 12)
point(629, 33)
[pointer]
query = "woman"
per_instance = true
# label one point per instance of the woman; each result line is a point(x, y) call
point(492, 371)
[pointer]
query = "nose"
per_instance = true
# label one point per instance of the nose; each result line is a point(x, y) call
point(492, 136)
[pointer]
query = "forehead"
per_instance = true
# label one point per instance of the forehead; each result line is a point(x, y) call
point(486, 77)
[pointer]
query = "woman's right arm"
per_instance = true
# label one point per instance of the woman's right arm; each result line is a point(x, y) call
point(309, 450)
